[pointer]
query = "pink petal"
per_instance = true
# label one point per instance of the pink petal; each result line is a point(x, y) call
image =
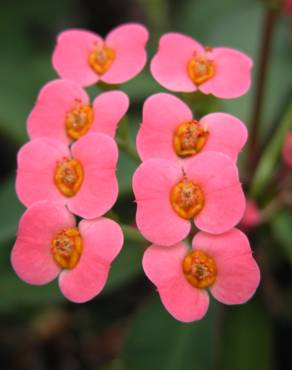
point(107, 232)
point(238, 274)
point(98, 154)
point(106, 118)
point(155, 217)
point(163, 266)
point(31, 256)
point(35, 173)
point(54, 101)
point(169, 64)
point(162, 114)
point(184, 302)
point(102, 241)
point(233, 74)
point(224, 199)
point(227, 134)
point(129, 42)
point(70, 57)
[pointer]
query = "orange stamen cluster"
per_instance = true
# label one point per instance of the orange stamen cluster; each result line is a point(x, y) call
point(68, 176)
point(189, 138)
point(78, 121)
point(67, 247)
point(101, 59)
point(187, 199)
point(199, 269)
point(200, 69)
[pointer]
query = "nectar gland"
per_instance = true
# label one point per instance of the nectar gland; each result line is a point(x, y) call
point(200, 68)
point(68, 176)
point(101, 59)
point(187, 199)
point(199, 269)
point(67, 247)
point(78, 121)
point(189, 138)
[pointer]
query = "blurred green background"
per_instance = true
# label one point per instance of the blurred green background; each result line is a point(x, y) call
point(126, 327)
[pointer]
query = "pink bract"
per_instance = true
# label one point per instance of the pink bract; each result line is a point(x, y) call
point(287, 6)
point(218, 179)
point(232, 77)
point(98, 155)
point(70, 57)
point(57, 98)
point(237, 278)
point(287, 150)
point(252, 215)
point(163, 113)
point(32, 258)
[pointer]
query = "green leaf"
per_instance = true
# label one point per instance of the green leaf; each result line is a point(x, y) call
point(270, 157)
point(246, 338)
point(16, 294)
point(281, 225)
point(141, 86)
point(198, 18)
point(158, 341)
point(126, 266)
point(11, 210)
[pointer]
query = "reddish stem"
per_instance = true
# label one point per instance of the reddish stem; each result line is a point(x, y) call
point(265, 49)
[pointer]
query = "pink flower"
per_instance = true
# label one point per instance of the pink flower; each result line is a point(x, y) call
point(63, 111)
point(82, 177)
point(252, 215)
point(223, 263)
point(86, 58)
point(169, 195)
point(50, 244)
point(183, 64)
point(287, 150)
point(169, 131)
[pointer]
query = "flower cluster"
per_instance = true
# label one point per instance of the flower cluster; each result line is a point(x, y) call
point(68, 168)
point(188, 178)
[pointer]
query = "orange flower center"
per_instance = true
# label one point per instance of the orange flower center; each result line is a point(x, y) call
point(68, 176)
point(189, 138)
point(101, 58)
point(200, 69)
point(199, 269)
point(187, 199)
point(78, 121)
point(67, 247)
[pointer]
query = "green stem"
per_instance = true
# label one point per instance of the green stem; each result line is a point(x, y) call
point(269, 211)
point(132, 234)
point(270, 157)
point(128, 148)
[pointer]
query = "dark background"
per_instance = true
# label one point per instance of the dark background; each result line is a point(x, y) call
point(126, 327)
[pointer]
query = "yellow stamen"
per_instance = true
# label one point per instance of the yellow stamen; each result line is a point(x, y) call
point(101, 59)
point(67, 247)
point(200, 69)
point(68, 176)
point(189, 138)
point(187, 199)
point(78, 121)
point(199, 269)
